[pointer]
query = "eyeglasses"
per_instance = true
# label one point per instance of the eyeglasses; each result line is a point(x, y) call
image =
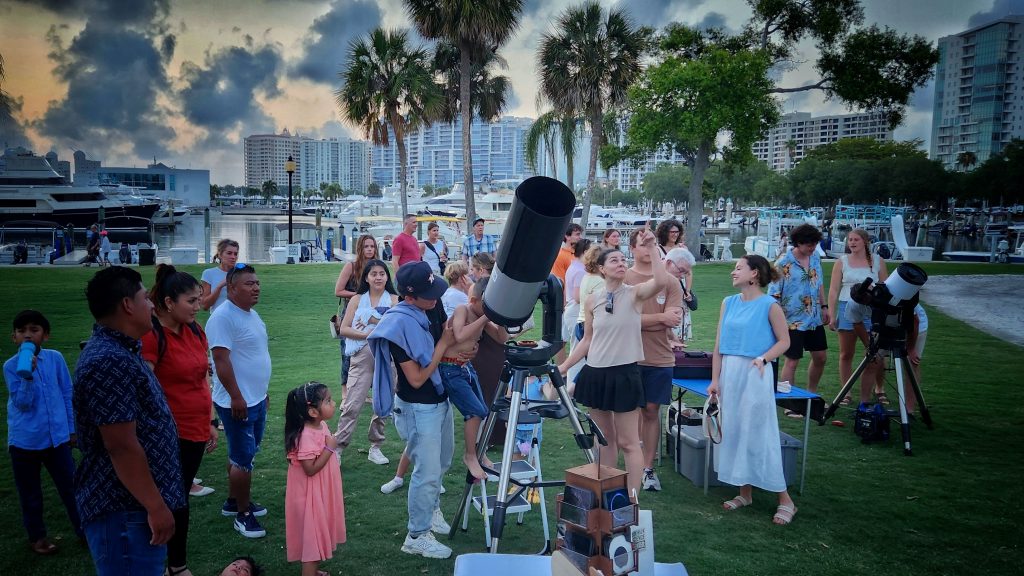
point(609, 303)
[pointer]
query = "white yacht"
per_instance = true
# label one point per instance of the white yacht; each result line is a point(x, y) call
point(30, 189)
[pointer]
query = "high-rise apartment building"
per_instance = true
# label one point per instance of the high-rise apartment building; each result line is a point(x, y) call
point(340, 161)
point(435, 153)
point(787, 143)
point(979, 94)
point(265, 157)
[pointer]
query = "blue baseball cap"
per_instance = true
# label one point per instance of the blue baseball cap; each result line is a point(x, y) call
point(418, 280)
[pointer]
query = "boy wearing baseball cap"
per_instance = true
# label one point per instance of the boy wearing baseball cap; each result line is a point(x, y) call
point(423, 414)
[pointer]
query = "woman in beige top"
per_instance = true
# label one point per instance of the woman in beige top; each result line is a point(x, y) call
point(609, 384)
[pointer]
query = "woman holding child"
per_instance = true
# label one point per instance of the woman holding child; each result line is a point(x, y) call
point(752, 332)
point(609, 384)
point(176, 351)
point(375, 296)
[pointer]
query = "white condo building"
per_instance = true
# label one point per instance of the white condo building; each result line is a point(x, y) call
point(265, 157)
point(435, 153)
point(979, 93)
point(799, 132)
point(340, 161)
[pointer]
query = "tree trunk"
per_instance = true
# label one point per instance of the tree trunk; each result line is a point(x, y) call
point(403, 161)
point(466, 110)
point(695, 211)
point(596, 119)
point(549, 142)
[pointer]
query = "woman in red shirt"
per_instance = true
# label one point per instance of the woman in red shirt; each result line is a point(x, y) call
point(176, 351)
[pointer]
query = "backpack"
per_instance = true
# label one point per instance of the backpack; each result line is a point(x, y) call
point(871, 423)
point(161, 338)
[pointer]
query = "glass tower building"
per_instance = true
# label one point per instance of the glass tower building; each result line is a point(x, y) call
point(979, 95)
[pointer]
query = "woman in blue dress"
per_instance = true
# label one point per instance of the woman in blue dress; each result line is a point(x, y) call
point(752, 332)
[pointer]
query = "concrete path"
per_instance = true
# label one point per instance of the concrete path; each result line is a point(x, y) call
point(990, 303)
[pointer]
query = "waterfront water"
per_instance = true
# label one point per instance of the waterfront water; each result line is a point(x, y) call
point(255, 235)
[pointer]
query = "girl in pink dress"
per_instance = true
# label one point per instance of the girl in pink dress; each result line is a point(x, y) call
point(314, 504)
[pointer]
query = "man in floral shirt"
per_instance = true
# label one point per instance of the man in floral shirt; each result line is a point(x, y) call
point(800, 291)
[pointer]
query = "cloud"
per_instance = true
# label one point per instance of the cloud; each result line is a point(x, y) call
point(326, 43)
point(114, 74)
point(220, 96)
point(714, 20)
point(657, 13)
point(1000, 9)
point(107, 11)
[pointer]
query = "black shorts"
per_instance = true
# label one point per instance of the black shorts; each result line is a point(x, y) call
point(810, 340)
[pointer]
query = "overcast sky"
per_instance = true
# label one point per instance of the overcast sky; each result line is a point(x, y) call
point(183, 81)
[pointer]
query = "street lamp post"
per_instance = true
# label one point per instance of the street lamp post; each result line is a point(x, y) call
point(289, 167)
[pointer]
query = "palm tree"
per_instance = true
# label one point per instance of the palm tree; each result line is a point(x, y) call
point(488, 91)
point(546, 129)
point(790, 151)
point(966, 160)
point(269, 190)
point(586, 66)
point(388, 87)
point(476, 28)
point(6, 100)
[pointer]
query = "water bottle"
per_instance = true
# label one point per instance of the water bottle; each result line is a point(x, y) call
point(25, 354)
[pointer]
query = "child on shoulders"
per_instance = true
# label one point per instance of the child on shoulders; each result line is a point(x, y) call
point(40, 429)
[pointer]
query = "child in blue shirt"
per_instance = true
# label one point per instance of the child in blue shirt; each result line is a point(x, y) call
point(40, 429)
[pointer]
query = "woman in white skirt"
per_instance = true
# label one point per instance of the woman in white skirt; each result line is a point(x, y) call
point(752, 332)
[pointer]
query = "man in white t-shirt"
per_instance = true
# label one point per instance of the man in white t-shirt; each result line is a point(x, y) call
point(241, 359)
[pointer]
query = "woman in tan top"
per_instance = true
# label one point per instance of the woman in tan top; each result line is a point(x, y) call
point(609, 384)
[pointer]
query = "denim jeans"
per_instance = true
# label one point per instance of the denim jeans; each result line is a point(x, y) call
point(463, 389)
point(429, 433)
point(27, 466)
point(244, 436)
point(119, 544)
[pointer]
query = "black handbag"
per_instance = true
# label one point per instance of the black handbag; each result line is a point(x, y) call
point(440, 263)
point(692, 302)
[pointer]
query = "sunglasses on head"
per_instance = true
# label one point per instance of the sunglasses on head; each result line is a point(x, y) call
point(609, 303)
point(240, 265)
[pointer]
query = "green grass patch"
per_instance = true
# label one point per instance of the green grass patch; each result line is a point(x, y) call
point(949, 509)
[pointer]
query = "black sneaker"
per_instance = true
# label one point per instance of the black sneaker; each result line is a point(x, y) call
point(247, 525)
point(230, 508)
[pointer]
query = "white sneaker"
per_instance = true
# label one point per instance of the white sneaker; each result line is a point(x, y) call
point(442, 489)
point(651, 481)
point(197, 480)
point(377, 457)
point(392, 485)
point(426, 545)
point(437, 523)
point(203, 491)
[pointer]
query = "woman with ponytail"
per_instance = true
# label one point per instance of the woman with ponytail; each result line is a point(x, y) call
point(176, 351)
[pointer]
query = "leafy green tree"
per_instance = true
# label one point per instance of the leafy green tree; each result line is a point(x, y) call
point(268, 190)
point(374, 191)
point(428, 190)
point(478, 29)
point(332, 191)
point(966, 160)
point(214, 191)
point(688, 98)
point(747, 183)
point(389, 89)
point(999, 178)
point(668, 183)
point(586, 66)
point(867, 149)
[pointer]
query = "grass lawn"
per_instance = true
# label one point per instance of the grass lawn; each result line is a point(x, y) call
point(952, 508)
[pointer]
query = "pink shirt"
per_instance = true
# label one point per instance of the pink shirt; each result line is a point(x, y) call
point(405, 248)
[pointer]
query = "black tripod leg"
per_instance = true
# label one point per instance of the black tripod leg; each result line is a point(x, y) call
point(868, 358)
point(926, 416)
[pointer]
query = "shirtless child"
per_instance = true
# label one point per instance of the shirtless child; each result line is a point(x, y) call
point(459, 377)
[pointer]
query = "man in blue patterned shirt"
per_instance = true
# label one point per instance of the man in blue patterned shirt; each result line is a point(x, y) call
point(478, 242)
point(129, 478)
point(800, 291)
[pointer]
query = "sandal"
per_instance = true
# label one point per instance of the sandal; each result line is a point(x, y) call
point(793, 414)
point(846, 401)
point(44, 547)
point(784, 514)
point(179, 571)
point(882, 399)
point(736, 503)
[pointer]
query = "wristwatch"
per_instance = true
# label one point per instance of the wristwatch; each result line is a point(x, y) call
point(764, 361)
point(824, 305)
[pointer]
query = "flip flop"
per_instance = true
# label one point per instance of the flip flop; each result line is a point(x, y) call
point(846, 401)
point(44, 547)
point(882, 398)
point(792, 414)
point(784, 515)
point(736, 503)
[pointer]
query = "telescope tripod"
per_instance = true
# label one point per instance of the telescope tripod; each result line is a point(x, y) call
point(514, 377)
point(897, 348)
